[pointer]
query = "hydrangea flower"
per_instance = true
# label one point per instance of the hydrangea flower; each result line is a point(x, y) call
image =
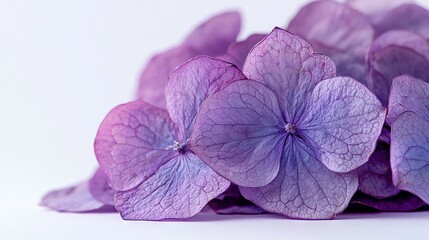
point(292, 135)
point(211, 38)
point(90, 196)
point(409, 119)
point(144, 152)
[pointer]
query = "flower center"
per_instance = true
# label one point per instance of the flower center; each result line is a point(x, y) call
point(290, 128)
point(177, 146)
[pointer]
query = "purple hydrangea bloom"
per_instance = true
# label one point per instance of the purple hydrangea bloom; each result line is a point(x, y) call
point(211, 38)
point(338, 31)
point(144, 149)
point(292, 136)
point(237, 52)
point(90, 196)
point(409, 119)
point(393, 54)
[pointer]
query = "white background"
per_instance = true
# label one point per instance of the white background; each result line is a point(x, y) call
point(65, 64)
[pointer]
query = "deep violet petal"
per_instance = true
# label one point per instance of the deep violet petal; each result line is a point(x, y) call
point(375, 176)
point(408, 94)
point(237, 52)
point(76, 198)
point(178, 189)
point(210, 38)
point(232, 202)
point(190, 84)
point(133, 141)
point(338, 31)
point(285, 63)
point(342, 122)
point(236, 133)
point(409, 154)
point(304, 187)
point(100, 188)
point(393, 54)
point(402, 202)
point(410, 17)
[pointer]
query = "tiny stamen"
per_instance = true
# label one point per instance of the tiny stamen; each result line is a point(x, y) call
point(290, 128)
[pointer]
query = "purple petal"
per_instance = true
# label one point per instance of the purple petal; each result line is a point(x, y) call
point(236, 133)
point(100, 188)
point(211, 38)
point(401, 202)
point(286, 64)
point(215, 35)
point(190, 84)
point(393, 54)
point(343, 122)
point(232, 202)
point(408, 94)
point(132, 142)
point(409, 154)
point(410, 17)
point(304, 187)
point(77, 198)
point(237, 52)
point(375, 176)
point(375, 10)
point(178, 189)
point(338, 31)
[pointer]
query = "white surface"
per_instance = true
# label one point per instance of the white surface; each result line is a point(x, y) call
point(65, 64)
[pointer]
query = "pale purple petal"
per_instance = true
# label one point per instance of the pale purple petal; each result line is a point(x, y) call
point(409, 154)
point(408, 94)
point(133, 141)
point(343, 122)
point(401, 202)
point(210, 38)
point(410, 17)
point(100, 188)
point(375, 176)
point(215, 35)
point(304, 187)
point(338, 31)
point(286, 64)
point(237, 52)
point(375, 10)
point(178, 189)
point(393, 54)
point(77, 198)
point(190, 84)
point(236, 133)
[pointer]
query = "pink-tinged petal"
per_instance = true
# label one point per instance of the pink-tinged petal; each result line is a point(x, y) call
point(237, 133)
point(133, 141)
point(211, 38)
point(408, 94)
point(100, 188)
point(402, 202)
point(178, 189)
point(286, 64)
point(393, 54)
point(237, 52)
point(410, 154)
point(375, 176)
point(410, 17)
point(338, 31)
point(190, 84)
point(343, 122)
point(77, 198)
point(304, 187)
point(232, 202)
point(215, 35)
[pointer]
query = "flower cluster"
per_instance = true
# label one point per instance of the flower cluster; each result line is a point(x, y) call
point(303, 121)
